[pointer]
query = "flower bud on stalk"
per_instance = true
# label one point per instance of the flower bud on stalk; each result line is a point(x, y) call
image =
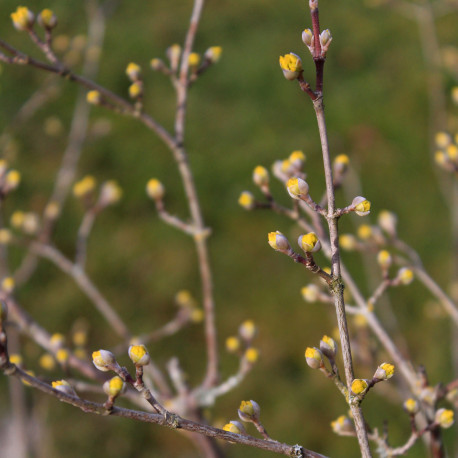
point(261, 176)
point(328, 347)
point(361, 206)
point(104, 360)
point(297, 159)
point(47, 19)
point(133, 71)
point(213, 54)
point(314, 357)
point(384, 372)
point(234, 427)
point(248, 330)
point(114, 387)
point(297, 188)
point(155, 189)
point(64, 387)
point(279, 242)
point(246, 200)
point(249, 411)
point(359, 386)
point(309, 242)
point(291, 66)
point(444, 417)
point(411, 406)
point(139, 355)
point(23, 18)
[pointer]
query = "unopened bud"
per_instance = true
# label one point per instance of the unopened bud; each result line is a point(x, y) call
point(155, 189)
point(291, 66)
point(384, 372)
point(139, 355)
point(361, 205)
point(309, 242)
point(249, 411)
point(114, 387)
point(64, 387)
point(104, 360)
point(246, 200)
point(359, 386)
point(328, 347)
point(297, 188)
point(278, 241)
point(47, 19)
point(314, 357)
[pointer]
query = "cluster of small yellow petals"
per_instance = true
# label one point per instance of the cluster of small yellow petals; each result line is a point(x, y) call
point(364, 232)
point(232, 344)
point(388, 368)
point(84, 187)
point(247, 407)
point(247, 330)
point(358, 386)
point(297, 188)
point(114, 387)
point(308, 242)
point(290, 62)
point(342, 159)
point(133, 71)
point(252, 355)
point(93, 97)
point(139, 355)
point(22, 18)
point(232, 427)
point(297, 157)
point(364, 206)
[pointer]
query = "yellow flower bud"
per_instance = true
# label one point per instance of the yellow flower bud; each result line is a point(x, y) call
point(232, 344)
point(291, 66)
point(194, 59)
point(307, 37)
point(184, 298)
point(260, 176)
point(297, 158)
point(16, 359)
point(347, 242)
point(342, 424)
point(157, 64)
point(405, 275)
point(12, 180)
point(52, 210)
point(62, 355)
point(47, 362)
point(8, 285)
point(444, 417)
point(249, 411)
point(251, 355)
point(341, 163)
point(155, 189)
point(313, 357)
point(197, 315)
point(387, 221)
point(213, 54)
point(47, 19)
point(135, 90)
point(57, 340)
point(452, 152)
point(114, 387)
point(364, 232)
point(359, 386)
point(309, 242)
point(442, 139)
point(278, 241)
point(248, 330)
point(246, 200)
point(22, 18)
point(133, 71)
point(384, 259)
point(84, 187)
point(328, 346)
point(297, 188)
point(93, 97)
point(234, 427)
point(110, 193)
point(64, 387)
point(411, 406)
point(384, 372)
point(103, 360)
point(139, 355)
point(361, 205)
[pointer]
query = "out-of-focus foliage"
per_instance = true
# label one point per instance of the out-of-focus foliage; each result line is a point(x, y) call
point(242, 113)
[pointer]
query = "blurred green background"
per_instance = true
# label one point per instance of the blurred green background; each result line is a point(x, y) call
point(242, 113)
